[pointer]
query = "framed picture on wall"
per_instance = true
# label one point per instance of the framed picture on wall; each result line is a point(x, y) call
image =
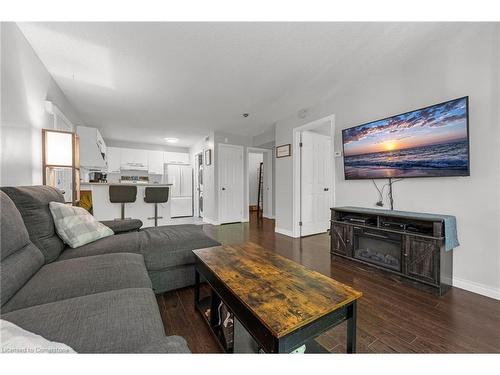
point(283, 151)
point(208, 157)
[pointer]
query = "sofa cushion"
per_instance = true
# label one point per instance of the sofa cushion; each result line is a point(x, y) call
point(119, 243)
point(79, 277)
point(123, 226)
point(163, 247)
point(172, 278)
point(171, 246)
point(76, 226)
point(20, 259)
point(33, 204)
point(119, 321)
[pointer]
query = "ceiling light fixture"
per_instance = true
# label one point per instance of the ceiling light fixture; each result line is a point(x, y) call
point(245, 114)
point(171, 140)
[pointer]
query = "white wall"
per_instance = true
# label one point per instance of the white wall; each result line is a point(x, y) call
point(26, 85)
point(467, 64)
point(254, 161)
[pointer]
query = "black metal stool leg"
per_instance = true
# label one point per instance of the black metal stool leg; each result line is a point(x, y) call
point(156, 214)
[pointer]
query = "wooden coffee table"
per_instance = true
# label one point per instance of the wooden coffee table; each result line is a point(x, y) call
point(281, 304)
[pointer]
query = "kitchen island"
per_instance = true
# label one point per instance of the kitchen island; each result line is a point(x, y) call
point(103, 209)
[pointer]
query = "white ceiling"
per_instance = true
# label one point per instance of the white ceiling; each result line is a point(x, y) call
point(146, 81)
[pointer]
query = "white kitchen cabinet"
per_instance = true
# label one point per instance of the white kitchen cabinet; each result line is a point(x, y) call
point(92, 148)
point(114, 159)
point(155, 162)
point(134, 159)
point(176, 157)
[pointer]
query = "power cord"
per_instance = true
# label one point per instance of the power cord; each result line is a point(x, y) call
point(390, 197)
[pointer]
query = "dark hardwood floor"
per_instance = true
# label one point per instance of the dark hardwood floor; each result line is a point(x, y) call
point(393, 316)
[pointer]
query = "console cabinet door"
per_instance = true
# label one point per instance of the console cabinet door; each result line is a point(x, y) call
point(341, 239)
point(422, 258)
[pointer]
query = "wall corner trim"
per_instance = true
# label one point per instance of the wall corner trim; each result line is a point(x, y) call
point(210, 221)
point(285, 232)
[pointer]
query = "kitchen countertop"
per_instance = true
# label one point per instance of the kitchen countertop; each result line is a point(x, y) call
point(118, 183)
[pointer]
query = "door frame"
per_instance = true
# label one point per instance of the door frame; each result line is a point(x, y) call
point(268, 163)
point(219, 193)
point(296, 156)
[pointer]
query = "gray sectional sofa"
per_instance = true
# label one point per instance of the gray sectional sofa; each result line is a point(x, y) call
point(100, 297)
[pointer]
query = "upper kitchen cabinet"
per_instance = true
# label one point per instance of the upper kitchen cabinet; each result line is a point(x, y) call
point(92, 148)
point(176, 157)
point(155, 162)
point(133, 159)
point(114, 159)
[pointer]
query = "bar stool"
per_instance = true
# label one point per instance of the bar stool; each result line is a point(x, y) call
point(122, 194)
point(156, 195)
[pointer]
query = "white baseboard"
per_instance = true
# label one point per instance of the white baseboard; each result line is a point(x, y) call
point(286, 232)
point(210, 221)
point(478, 288)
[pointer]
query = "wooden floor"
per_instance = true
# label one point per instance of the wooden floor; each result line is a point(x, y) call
point(393, 317)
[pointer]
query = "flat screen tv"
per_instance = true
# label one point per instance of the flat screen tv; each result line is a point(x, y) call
point(428, 142)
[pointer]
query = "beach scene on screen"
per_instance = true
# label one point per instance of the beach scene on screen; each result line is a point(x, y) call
point(428, 142)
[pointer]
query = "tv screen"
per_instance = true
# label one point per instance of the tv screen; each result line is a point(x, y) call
point(428, 142)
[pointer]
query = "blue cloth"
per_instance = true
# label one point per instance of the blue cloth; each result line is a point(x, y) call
point(450, 222)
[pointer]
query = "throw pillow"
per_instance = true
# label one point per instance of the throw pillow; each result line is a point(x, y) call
point(76, 226)
point(17, 340)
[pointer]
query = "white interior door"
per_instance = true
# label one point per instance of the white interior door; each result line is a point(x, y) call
point(316, 169)
point(230, 183)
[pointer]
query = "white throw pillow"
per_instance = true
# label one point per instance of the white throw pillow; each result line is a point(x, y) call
point(14, 339)
point(76, 226)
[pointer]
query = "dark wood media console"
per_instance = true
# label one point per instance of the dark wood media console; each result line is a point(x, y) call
point(407, 245)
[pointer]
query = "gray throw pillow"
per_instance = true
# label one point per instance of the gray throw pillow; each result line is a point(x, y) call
point(76, 226)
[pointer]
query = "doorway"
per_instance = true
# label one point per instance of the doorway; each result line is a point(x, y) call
point(314, 171)
point(255, 183)
point(259, 195)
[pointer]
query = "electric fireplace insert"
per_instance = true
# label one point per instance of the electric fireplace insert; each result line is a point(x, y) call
point(378, 247)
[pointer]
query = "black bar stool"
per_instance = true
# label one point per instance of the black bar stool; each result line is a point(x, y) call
point(156, 195)
point(122, 194)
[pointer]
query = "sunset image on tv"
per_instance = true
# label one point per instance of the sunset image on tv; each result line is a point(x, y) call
point(431, 141)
